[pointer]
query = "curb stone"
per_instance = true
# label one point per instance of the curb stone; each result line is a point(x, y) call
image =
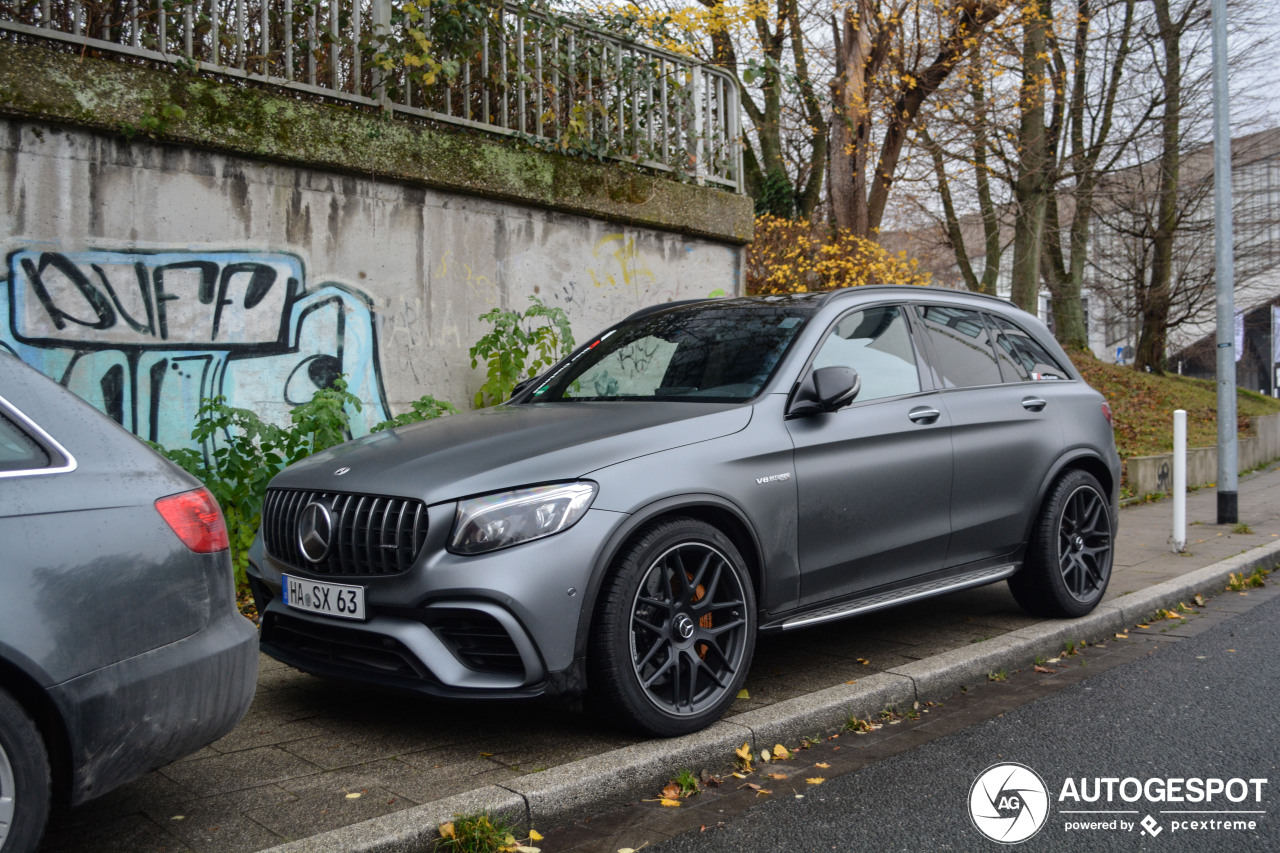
point(608, 780)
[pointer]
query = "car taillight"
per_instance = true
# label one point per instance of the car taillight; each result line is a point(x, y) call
point(197, 520)
point(1106, 413)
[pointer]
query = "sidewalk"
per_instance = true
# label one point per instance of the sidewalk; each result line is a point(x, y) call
point(314, 756)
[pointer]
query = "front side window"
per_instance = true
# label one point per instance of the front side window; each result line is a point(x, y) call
point(876, 342)
point(709, 352)
point(962, 346)
point(18, 451)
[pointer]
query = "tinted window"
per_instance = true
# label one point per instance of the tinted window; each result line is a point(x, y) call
point(962, 344)
point(710, 352)
point(1022, 358)
point(876, 343)
point(17, 451)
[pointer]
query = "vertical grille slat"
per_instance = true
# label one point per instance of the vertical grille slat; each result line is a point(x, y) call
point(371, 535)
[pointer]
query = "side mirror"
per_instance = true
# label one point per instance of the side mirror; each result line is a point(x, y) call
point(521, 386)
point(827, 389)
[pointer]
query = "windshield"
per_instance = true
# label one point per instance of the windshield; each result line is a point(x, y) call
point(723, 352)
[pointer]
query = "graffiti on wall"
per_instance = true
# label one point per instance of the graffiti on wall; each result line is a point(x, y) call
point(145, 336)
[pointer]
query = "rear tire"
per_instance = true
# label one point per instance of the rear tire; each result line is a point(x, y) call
point(24, 779)
point(1068, 562)
point(674, 630)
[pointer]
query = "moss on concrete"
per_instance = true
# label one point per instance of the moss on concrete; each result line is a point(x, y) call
point(47, 84)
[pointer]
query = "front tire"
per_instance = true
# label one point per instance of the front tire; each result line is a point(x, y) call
point(674, 631)
point(1068, 561)
point(24, 779)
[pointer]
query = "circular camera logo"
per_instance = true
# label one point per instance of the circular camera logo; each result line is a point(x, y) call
point(1008, 803)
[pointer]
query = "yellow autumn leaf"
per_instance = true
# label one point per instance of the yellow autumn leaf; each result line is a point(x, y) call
point(822, 764)
point(744, 752)
point(743, 694)
point(446, 830)
point(815, 780)
point(668, 802)
point(765, 756)
point(353, 796)
point(781, 752)
point(534, 835)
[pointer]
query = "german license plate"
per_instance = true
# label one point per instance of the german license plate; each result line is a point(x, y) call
point(329, 599)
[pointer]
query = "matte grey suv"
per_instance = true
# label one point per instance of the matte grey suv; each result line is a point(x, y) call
point(121, 648)
point(699, 473)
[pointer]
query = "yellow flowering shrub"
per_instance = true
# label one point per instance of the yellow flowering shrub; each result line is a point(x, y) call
point(790, 256)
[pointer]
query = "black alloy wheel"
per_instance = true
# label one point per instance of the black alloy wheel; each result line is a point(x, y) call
point(676, 630)
point(1068, 563)
point(1084, 543)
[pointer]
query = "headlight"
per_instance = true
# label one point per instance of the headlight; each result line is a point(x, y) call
point(509, 518)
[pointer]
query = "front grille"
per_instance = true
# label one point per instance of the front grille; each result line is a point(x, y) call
point(358, 651)
point(370, 535)
point(479, 641)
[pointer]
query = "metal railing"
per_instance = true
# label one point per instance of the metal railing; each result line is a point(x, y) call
point(512, 71)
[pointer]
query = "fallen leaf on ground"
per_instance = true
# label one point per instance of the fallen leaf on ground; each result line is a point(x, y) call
point(668, 802)
point(671, 792)
point(1199, 600)
point(743, 694)
point(764, 756)
point(743, 752)
point(863, 661)
point(1045, 669)
point(855, 681)
point(815, 780)
point(1122, 636)
point(776, 776)
point(1140, 625)
point(822, 764)
point(534, 835)
point(353, 796)
point(526, 849)
point(446, 830)
point(781, 752)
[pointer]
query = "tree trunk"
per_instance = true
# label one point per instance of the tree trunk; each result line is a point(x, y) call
point(1030, 191)
point(851, 120)
point(1154, 300)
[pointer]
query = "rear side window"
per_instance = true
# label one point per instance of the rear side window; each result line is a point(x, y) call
point(18, 451)
point(1022, 358)
point(962, 345)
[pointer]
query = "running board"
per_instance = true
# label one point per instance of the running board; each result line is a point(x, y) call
point(902, 596)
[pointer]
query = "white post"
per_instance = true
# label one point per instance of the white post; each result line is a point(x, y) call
point(1179, 538)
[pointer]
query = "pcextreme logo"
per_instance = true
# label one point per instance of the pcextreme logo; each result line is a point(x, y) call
point(1008, 803)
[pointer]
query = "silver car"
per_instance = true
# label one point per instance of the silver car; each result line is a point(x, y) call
point(700, 473)
point(121, 648)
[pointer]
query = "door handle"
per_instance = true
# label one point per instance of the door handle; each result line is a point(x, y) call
point(923, 415)
point(1033, 404)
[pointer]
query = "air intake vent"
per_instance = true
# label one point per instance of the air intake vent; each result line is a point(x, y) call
point(367, 534)
point(479, 641)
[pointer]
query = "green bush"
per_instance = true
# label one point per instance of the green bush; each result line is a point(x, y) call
point(249, 451)
point(542, 331)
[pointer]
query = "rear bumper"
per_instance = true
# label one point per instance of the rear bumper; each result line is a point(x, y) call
point(146, 711)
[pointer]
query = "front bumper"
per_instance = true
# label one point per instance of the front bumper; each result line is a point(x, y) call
point(500, 625)
point(146, 711)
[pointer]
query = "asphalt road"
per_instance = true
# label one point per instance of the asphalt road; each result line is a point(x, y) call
point(1207, 707)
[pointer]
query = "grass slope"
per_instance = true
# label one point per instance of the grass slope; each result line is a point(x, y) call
point(1143, 405)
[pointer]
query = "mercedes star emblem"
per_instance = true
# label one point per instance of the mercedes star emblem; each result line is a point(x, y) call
point(314, 529)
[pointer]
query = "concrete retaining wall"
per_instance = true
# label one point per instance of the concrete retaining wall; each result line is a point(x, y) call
point(1150, 474)
point(146, 276)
